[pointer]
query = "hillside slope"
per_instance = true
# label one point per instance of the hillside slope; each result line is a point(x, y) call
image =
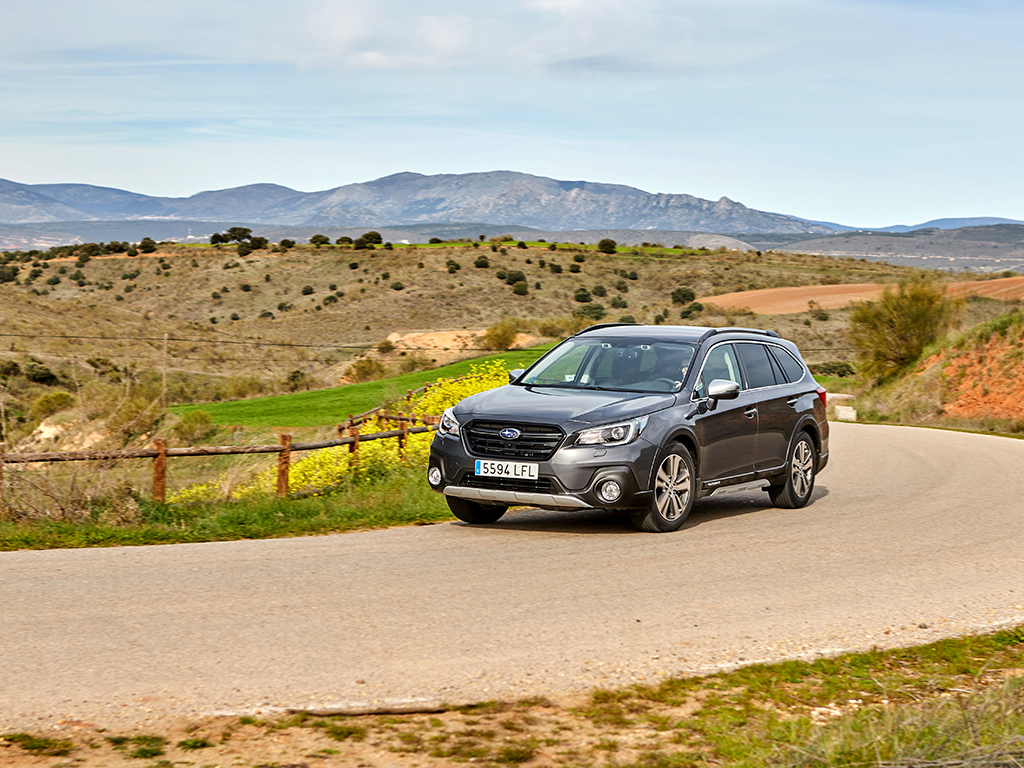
point(974, 380)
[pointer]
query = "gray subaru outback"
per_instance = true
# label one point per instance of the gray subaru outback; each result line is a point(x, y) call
point(641, 419)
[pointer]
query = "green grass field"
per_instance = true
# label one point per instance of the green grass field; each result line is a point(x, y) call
point(321, 407)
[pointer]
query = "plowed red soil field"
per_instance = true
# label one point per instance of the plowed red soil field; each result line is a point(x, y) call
point(781, 301)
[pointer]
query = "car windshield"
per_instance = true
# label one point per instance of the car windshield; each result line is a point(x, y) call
point(627, 365)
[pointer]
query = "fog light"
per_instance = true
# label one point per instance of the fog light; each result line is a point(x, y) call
point(434, 476)
point(609, 491)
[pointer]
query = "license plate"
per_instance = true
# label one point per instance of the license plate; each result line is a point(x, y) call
point(506, 469)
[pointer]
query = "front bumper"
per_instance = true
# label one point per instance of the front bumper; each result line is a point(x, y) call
point(570, 479)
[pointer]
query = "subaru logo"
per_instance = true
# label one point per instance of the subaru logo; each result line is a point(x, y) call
point(510, 433)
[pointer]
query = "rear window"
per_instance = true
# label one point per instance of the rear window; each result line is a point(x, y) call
point(791, 367)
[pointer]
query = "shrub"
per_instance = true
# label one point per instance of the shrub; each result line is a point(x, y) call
point(582, 295)
point(591, 311)
point(297, 380)
point(520, 288)
point(574, 268)
point(386, 346)
point(397, 285)
point(51, 403)
point(514, 276)
point(555, 268)
point(607, 245)
point(627, 319)
point(579, 258)
point(622, 286)
point(366, 369)
point(599, 290)
point(521, 244)
point(482, 262)
point(38, 373)
point(194, 426)
point(619, 303)
point(552, 247)
point(891, 333)
point(307, 290)
point(691, 309)
point(502, 334)
point(683, 295)
point(839, 368)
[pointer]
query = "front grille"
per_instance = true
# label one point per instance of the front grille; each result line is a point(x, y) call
point(537, 442)
point(540, 485)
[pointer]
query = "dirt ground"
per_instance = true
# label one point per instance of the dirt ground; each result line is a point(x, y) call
point(780, 301)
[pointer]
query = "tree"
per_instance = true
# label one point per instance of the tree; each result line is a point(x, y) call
point(891, 333)
point(607, 245)
point(373, 237)
point(285, 244)
point(238, 234)
point(344, 240)
point(146, 245)
point(319, 240)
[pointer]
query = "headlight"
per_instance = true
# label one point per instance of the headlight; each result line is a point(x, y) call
point(613, 434)
point(449, 424)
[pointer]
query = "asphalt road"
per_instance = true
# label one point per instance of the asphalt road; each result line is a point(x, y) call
point(912, 535)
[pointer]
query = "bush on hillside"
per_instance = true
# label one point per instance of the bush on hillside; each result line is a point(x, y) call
point(891, 333)
point(502, 334)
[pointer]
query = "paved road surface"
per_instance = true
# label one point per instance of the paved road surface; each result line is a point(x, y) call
point(912, 535)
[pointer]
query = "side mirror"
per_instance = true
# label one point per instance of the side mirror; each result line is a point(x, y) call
point(513, 376)
point(723, 389)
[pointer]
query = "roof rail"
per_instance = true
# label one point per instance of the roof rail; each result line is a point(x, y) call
point(600, 326)
point(713, 331)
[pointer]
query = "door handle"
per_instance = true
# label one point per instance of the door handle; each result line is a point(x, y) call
point(791, 402)
point(751, 412)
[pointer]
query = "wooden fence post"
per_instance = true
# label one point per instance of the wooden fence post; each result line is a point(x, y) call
point(160, 470)
point(353, 447)
point(284, 462)
point(403, 424)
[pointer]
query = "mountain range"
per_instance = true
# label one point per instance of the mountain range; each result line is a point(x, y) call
point(416, 207)
point(496, 197)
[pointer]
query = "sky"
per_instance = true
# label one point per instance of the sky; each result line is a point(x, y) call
point(868, 113)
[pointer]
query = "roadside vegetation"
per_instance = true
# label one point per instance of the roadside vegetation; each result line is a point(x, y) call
point(956, 703)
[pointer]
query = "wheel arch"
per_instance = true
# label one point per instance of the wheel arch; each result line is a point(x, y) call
point(687, 440)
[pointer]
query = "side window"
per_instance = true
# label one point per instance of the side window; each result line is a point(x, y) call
point(789, 365)
point(721, 363)
point(757, 365)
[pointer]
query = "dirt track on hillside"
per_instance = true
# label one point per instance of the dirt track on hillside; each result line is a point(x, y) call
point(781, 301)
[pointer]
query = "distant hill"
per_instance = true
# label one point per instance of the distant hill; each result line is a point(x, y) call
point(993, 248)
point(502, 198)
point(977, 221)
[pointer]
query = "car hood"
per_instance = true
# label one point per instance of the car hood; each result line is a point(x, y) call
point(551, 405)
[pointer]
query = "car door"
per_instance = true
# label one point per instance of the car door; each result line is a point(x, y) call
point(775, 413)
point(728, 427)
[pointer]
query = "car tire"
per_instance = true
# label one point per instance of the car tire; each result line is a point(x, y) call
point(801, 469)
point(675, 484)
point(473, 512)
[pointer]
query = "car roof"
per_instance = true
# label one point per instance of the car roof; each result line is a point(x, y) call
point(690, 333)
